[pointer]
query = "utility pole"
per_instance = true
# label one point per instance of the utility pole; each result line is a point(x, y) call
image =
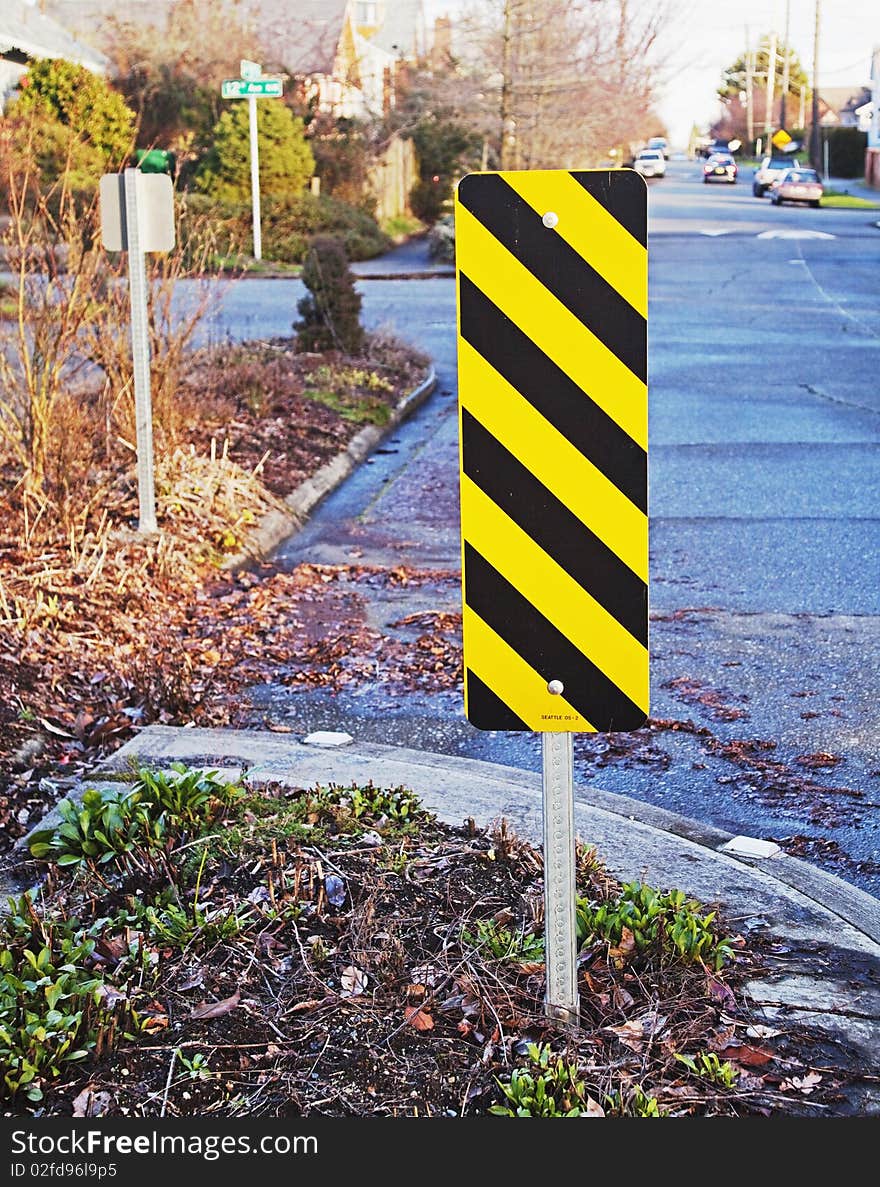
point(750, 94)
point(508, 134)
point(803, 108)
point(771, 88)
point(786, 62)
point(816, 130)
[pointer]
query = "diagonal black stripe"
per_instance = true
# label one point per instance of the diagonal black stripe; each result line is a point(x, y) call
point(623, 193)
point(553, 527)
point(486, 710)
point(559, 268)
point(551, 392)
point(546, 649)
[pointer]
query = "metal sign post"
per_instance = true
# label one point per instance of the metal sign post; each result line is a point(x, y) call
point(137, 216)
point(552, 364)
point(140, 355)
point(255, 178)
point(559, 878)
point(252, 86)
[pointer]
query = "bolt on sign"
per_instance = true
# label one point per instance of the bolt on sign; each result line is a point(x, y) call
point(552, 354)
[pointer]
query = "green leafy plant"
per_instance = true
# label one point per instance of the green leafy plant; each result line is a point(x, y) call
point(122, 825)
point(198, 1066)
point(178, 925)
point(669, 922)
point(708, 1066)
point(548, 1087)
point(107, 825)
point(368, 803)
point(632, 1103)
point(187, 797)
point(52, 1008)
point(505, 943)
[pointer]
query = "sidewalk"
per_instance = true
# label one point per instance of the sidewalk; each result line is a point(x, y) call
point(855, 187)
point(410, 261)
point(825, 971)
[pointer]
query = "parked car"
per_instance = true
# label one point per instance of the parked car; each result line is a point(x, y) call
point(650, 163)
point(797, 185)
point(661, 143)
point(770, 170)
point(720, 167)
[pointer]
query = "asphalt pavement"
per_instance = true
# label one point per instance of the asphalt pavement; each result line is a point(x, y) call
point(764, 483)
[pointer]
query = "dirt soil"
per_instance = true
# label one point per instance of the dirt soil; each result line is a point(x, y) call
point(379, 964)
point(102, 630)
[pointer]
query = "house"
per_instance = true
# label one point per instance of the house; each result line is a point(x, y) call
point(845, 107)
point(346, 54)
point(872, 152)
point(26, 33)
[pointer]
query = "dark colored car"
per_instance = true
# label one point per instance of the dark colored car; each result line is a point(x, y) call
point(720, 167)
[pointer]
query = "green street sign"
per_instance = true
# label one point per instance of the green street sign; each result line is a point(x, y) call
point(257, 88)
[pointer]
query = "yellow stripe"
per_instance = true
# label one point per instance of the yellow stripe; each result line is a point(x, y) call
point(586, 225)
point(550, 325)
point(554, 461)
point(546, 585)
point(525, 691)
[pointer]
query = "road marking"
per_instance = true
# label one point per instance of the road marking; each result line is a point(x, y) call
point(796, 235)
point(713, 233)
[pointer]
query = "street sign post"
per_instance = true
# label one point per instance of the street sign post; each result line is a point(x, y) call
point(137, 216)
point(252, 86)
point(552, 355)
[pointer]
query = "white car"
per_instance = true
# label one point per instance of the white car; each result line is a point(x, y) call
point(650, 163)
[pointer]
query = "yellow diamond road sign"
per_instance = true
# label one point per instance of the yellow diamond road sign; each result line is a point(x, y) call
point(781, 138)
point(552, 354)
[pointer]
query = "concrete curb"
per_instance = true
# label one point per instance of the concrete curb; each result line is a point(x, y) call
point(457, 789)
point(278, 525)
point(426, 274)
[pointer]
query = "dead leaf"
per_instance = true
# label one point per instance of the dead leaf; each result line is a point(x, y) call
point(206, 1010)
point(624, 950)
point(418, 1019)
point(746, 1055)
point(621, 998)
point(635, 1033)
point(334, 888)
point(154, 1017)
point(804, 1084)
point(762, 1032)
point(279, 729)
point(721, 993)
point(353, 981)
point(592, 1108)
point(91, 1102)
point(110, 995)
point(307, 1005)
point(530, 968)
point(426, 974)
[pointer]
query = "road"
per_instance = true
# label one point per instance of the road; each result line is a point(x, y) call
point(764, 489)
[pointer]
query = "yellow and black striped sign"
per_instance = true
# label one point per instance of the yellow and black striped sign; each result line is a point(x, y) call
point(552, 359)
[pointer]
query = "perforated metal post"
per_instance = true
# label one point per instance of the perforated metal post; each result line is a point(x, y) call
point(255, 178)
point(559, 878)
point(140, 353)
